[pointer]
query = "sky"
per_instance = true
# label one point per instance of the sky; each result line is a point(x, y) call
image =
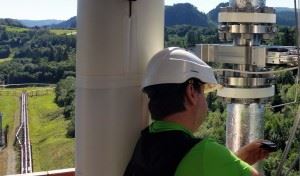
point(65, 9)
point(38, 9)
point(207, 5)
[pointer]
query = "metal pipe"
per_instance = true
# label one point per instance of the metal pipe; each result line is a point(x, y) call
point(244, 124)
point(112, 51)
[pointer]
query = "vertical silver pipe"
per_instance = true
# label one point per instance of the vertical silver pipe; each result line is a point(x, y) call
point(244, 124)
point(113, 47)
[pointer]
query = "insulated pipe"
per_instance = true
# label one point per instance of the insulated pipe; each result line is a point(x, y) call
point(113, 47)
point(245, 123)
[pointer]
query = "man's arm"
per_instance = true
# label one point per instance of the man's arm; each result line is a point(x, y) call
point(254, 172)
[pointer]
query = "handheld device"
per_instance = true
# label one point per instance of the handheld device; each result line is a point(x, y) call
point(269, 146)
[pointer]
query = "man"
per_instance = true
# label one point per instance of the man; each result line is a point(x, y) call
point(175, 82)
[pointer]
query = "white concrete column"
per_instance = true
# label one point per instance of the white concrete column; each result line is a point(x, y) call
point(112, 52)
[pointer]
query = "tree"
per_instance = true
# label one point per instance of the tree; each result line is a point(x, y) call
point(191, 38)
point(65, 97)
point(4, 51)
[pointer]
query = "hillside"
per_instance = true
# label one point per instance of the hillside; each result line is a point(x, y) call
point(11, 22)
point(36, 55)
point(39, 23)
point(185, 13)
point(178, 14)
point(285, 17)
point(70, 23)
point(213, 14)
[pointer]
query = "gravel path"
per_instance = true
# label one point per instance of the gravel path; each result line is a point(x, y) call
point(8, 157)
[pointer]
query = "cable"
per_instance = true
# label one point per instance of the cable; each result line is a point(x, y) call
point(297, 37)
point(293, 165)
point(298, 57)
point(297, 160)
point(297, 120)
point(295, 99)
point(257, 73)
point(289, 143)
point(271, 72)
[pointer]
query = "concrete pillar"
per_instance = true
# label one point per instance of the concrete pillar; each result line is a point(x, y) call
point(112, 51)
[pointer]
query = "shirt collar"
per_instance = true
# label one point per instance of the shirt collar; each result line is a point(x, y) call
point(161, 126)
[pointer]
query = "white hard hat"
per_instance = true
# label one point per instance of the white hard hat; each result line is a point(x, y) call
point(176, 65)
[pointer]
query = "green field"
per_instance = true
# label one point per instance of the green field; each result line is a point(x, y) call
point(15, 29)
point(63, 31)
point(5, 60)
point(32, 91)
point(9, 106)
point(51, 149)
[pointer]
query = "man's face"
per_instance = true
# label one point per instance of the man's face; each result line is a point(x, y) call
point(202, 108)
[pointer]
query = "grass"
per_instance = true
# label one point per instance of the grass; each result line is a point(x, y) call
point(30, 90)
point(51, 148)
point(5, 60)
point(15, 29)
point(63, 31)
point(9, 58)
point(8, 107)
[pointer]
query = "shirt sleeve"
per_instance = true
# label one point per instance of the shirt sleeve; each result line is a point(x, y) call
point(208, 158)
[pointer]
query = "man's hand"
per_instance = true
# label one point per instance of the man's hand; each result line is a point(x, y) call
point(252, 153)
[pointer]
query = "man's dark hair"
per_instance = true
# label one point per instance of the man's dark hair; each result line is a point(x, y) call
point(167, 99)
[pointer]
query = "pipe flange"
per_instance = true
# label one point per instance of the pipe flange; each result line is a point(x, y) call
point(248, 29)
point(247, 82)
point(249, 9)
point(246, 17)
point(246, 93)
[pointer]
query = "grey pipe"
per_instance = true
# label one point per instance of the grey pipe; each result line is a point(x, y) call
point(244, 124)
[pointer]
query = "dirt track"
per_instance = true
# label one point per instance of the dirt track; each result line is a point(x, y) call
point(8, 157)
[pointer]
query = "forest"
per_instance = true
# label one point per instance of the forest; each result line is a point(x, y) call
point(37, 55)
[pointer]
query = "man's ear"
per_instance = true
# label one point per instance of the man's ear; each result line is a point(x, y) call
point(191, 95)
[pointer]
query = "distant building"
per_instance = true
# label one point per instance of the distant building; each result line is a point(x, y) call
point(282, 55)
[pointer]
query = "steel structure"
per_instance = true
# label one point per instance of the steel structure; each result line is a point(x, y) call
point(246, 23)
point(246, 75)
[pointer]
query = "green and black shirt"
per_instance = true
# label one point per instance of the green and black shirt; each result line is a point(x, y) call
point(168, 149)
